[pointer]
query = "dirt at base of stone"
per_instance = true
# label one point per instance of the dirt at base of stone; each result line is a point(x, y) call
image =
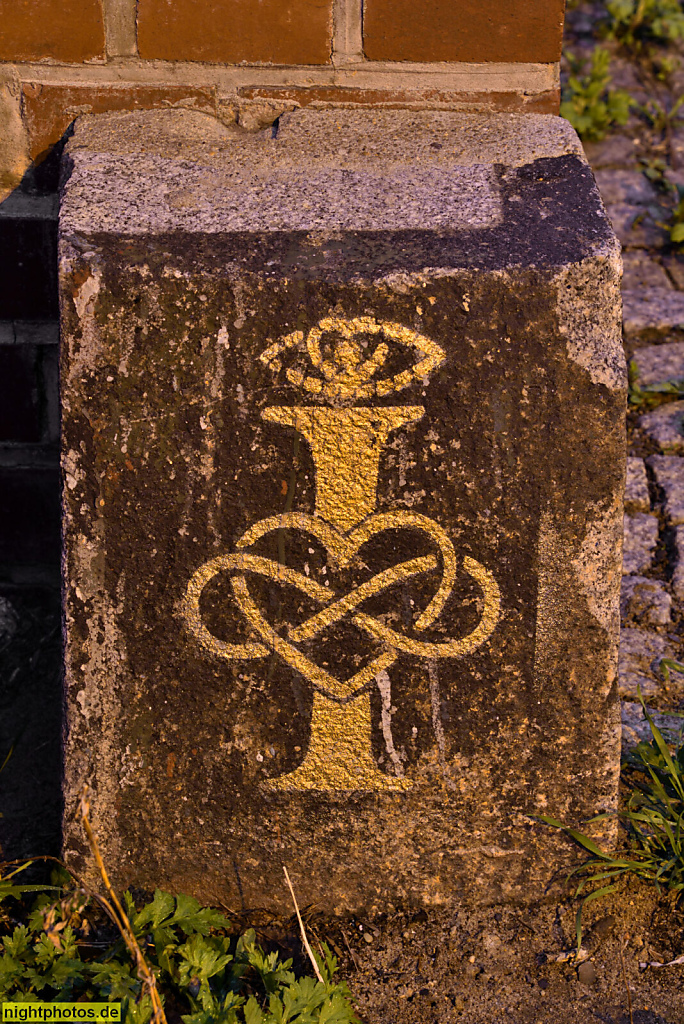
point(500, 965)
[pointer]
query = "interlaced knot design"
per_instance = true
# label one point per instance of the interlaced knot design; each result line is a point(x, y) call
point(334, 608)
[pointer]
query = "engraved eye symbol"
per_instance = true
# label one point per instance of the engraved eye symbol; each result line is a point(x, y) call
point(347, 373)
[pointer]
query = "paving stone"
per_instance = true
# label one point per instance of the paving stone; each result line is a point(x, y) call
point(613, 151)
point(637, 498)
point(635, 227)
point(652, 311)
point(665, 426)
point(674, 265)
point(645, 601)
point(624, 186)
point(669, 474)
point(640, 539)
point(639, 270)
point(659, 363)
point(246, 321)
point(636, 728)
point(640, 655)
point(678, 574)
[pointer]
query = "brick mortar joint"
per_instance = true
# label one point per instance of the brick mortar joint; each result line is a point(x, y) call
point(167, 72)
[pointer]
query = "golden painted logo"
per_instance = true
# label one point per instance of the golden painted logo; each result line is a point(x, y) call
point(346, 442)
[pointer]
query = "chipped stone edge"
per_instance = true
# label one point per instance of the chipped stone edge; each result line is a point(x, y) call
point(593, 329)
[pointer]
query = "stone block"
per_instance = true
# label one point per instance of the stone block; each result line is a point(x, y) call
point(637, 498)
point(659, 363)
point(436, 30)
point(343, 452)
point(639, 543)
point(665, 426)
point(270, 32)
point(668, 471)
point(63, 30)
point(645, 601)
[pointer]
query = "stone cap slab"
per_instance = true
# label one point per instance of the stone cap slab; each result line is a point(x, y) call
point(322, 171)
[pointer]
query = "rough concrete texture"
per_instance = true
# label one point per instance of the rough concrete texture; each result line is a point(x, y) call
point(342, 505)
point(640, 539)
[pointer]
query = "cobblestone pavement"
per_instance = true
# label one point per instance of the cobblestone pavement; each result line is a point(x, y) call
point(652, 598)
point(640, 206)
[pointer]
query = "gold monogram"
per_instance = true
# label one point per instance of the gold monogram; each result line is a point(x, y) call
point(346, 445)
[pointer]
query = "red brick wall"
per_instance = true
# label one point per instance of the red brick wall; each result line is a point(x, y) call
point(272, 31)
point(65, 57)
point(430, 30)
point(65, 30)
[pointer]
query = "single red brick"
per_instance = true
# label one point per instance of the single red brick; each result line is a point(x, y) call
point(463, 30)
point(67, 30)
point(230, 31)
point(50, 108)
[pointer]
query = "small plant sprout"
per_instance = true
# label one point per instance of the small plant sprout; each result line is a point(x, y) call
point(637, 24)
point(591, 107)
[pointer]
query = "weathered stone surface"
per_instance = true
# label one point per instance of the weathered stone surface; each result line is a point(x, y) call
point(669, 475)
point(640, 539)
point(638, 667)
point(665, 425)
point(659, 363)
point(652, 311)
point(645, 601)
point(296, 371)
point(637, 498)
